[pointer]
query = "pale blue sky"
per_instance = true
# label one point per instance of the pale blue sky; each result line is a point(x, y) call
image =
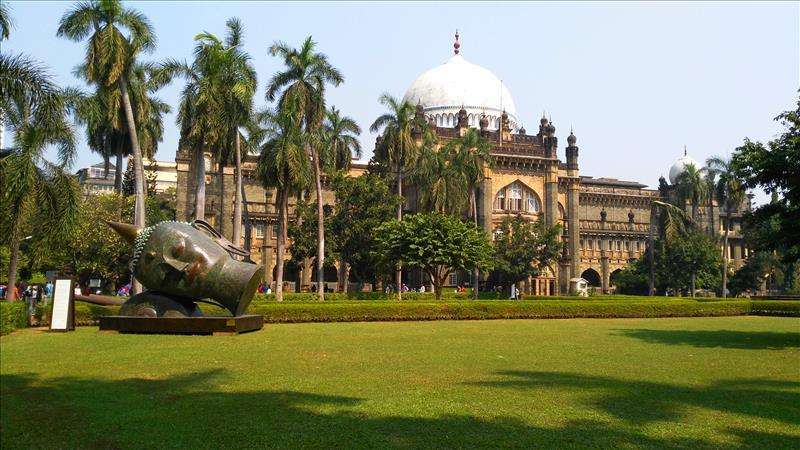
point(636, 81)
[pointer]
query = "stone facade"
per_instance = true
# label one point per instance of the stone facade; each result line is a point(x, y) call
point(604, 220)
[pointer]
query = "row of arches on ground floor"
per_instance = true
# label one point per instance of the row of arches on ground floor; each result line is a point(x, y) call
point(595, 278)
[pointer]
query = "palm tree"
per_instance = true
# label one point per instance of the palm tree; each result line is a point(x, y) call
point(302, 85)
point(283, 165)
point(32, 189)
point(238, 85)
point(691, 187)
point(443, 186)
point(340, 141)
point(5, 21)
point(397, 148)
point(215, 102)
point(103, 114)
point(674, 222)
point(472, 154)
point(339, 146)
point(730, 191)
point(110, 56)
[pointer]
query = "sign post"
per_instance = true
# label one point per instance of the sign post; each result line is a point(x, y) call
point(63, 317)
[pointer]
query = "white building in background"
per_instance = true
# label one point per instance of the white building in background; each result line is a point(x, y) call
point(161, 175)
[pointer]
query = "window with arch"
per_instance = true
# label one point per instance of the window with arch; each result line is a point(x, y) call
point(518, 198)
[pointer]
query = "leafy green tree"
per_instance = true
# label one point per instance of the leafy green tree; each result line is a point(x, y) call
point(396, 147)
point(436, 243)
point(731, 193)
point(282, 165)
point(363, 204)
point(682, 262)
point(754, 272)
point(523, 248)
point(775, 167)
point(32, 189)
point(116, 36)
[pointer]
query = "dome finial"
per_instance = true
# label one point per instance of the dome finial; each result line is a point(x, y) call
point(684, 149)
point(457, 44)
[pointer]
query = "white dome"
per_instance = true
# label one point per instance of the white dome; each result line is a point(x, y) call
point(443, 91)
point(680, 165)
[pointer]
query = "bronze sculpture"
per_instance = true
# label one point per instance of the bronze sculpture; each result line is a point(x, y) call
point(182, 263)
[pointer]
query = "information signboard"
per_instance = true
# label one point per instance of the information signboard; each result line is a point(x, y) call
point(63, 318)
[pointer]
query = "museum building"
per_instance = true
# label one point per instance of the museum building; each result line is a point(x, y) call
point(604, 220)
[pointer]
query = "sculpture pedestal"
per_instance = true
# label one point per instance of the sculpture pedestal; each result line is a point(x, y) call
point(182, 325)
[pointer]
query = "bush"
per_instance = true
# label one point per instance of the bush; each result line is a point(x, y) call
point(305, 308)
point(13, 315)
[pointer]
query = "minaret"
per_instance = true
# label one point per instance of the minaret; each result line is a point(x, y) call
point(573, 198)
point(457, 44)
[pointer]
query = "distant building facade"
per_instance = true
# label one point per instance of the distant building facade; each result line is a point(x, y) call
point(161, 176)
point(605, 221)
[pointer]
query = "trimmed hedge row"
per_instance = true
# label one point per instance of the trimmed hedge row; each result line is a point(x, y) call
point(359, 311)
point(13, 315)
point(311, 297)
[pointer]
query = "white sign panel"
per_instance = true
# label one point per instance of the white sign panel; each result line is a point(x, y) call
point(61, 297)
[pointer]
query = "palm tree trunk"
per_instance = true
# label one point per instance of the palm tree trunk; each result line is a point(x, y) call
point(282, 203)
point(221, 195)
point(13, 261)
point(650, 254)
point(138, 168)
point(398, 273)
point(118, 172)
point(237, 195)
point(320, 229)
point(725, 253)
point(694, 277)
point(475, 273)
point(246, 223)
point(200, 181)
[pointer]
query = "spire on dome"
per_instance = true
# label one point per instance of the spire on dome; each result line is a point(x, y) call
point(457, 44)
point(684, 149)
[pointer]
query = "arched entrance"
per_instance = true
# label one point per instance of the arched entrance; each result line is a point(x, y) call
point(592, 277)
point(613, 277)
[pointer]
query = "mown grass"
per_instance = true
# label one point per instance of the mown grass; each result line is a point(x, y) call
point(727, 382)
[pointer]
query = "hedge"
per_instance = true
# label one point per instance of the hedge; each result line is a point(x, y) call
point(358, 311)
point(13, 315)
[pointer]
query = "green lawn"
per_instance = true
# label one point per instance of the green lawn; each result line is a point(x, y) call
point(691, 382)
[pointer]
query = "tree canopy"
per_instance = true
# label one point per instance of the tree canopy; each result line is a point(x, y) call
point(436, 243)
point(523, 248)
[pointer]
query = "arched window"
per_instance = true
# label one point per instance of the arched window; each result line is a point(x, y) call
point(518, 198)
point(500, 199)
point(514, 197)
point(533, 204)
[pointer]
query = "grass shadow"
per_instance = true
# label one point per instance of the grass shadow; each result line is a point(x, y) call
point(641, 402)
point(754, 340)
point(199, 411)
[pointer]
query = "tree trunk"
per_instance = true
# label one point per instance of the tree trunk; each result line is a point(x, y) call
point(248, 228)
point(221, 195)
point(320, 229)
point(398, 273)
point(650, 255)
point(136, 154)
point(475, 272)
point(12, 266)
point(282, 203)
point(725, 253)
point(118, 172)
point(693, 283)
point(237, 195)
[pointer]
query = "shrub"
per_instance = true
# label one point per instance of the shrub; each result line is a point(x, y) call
point(13, 315)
